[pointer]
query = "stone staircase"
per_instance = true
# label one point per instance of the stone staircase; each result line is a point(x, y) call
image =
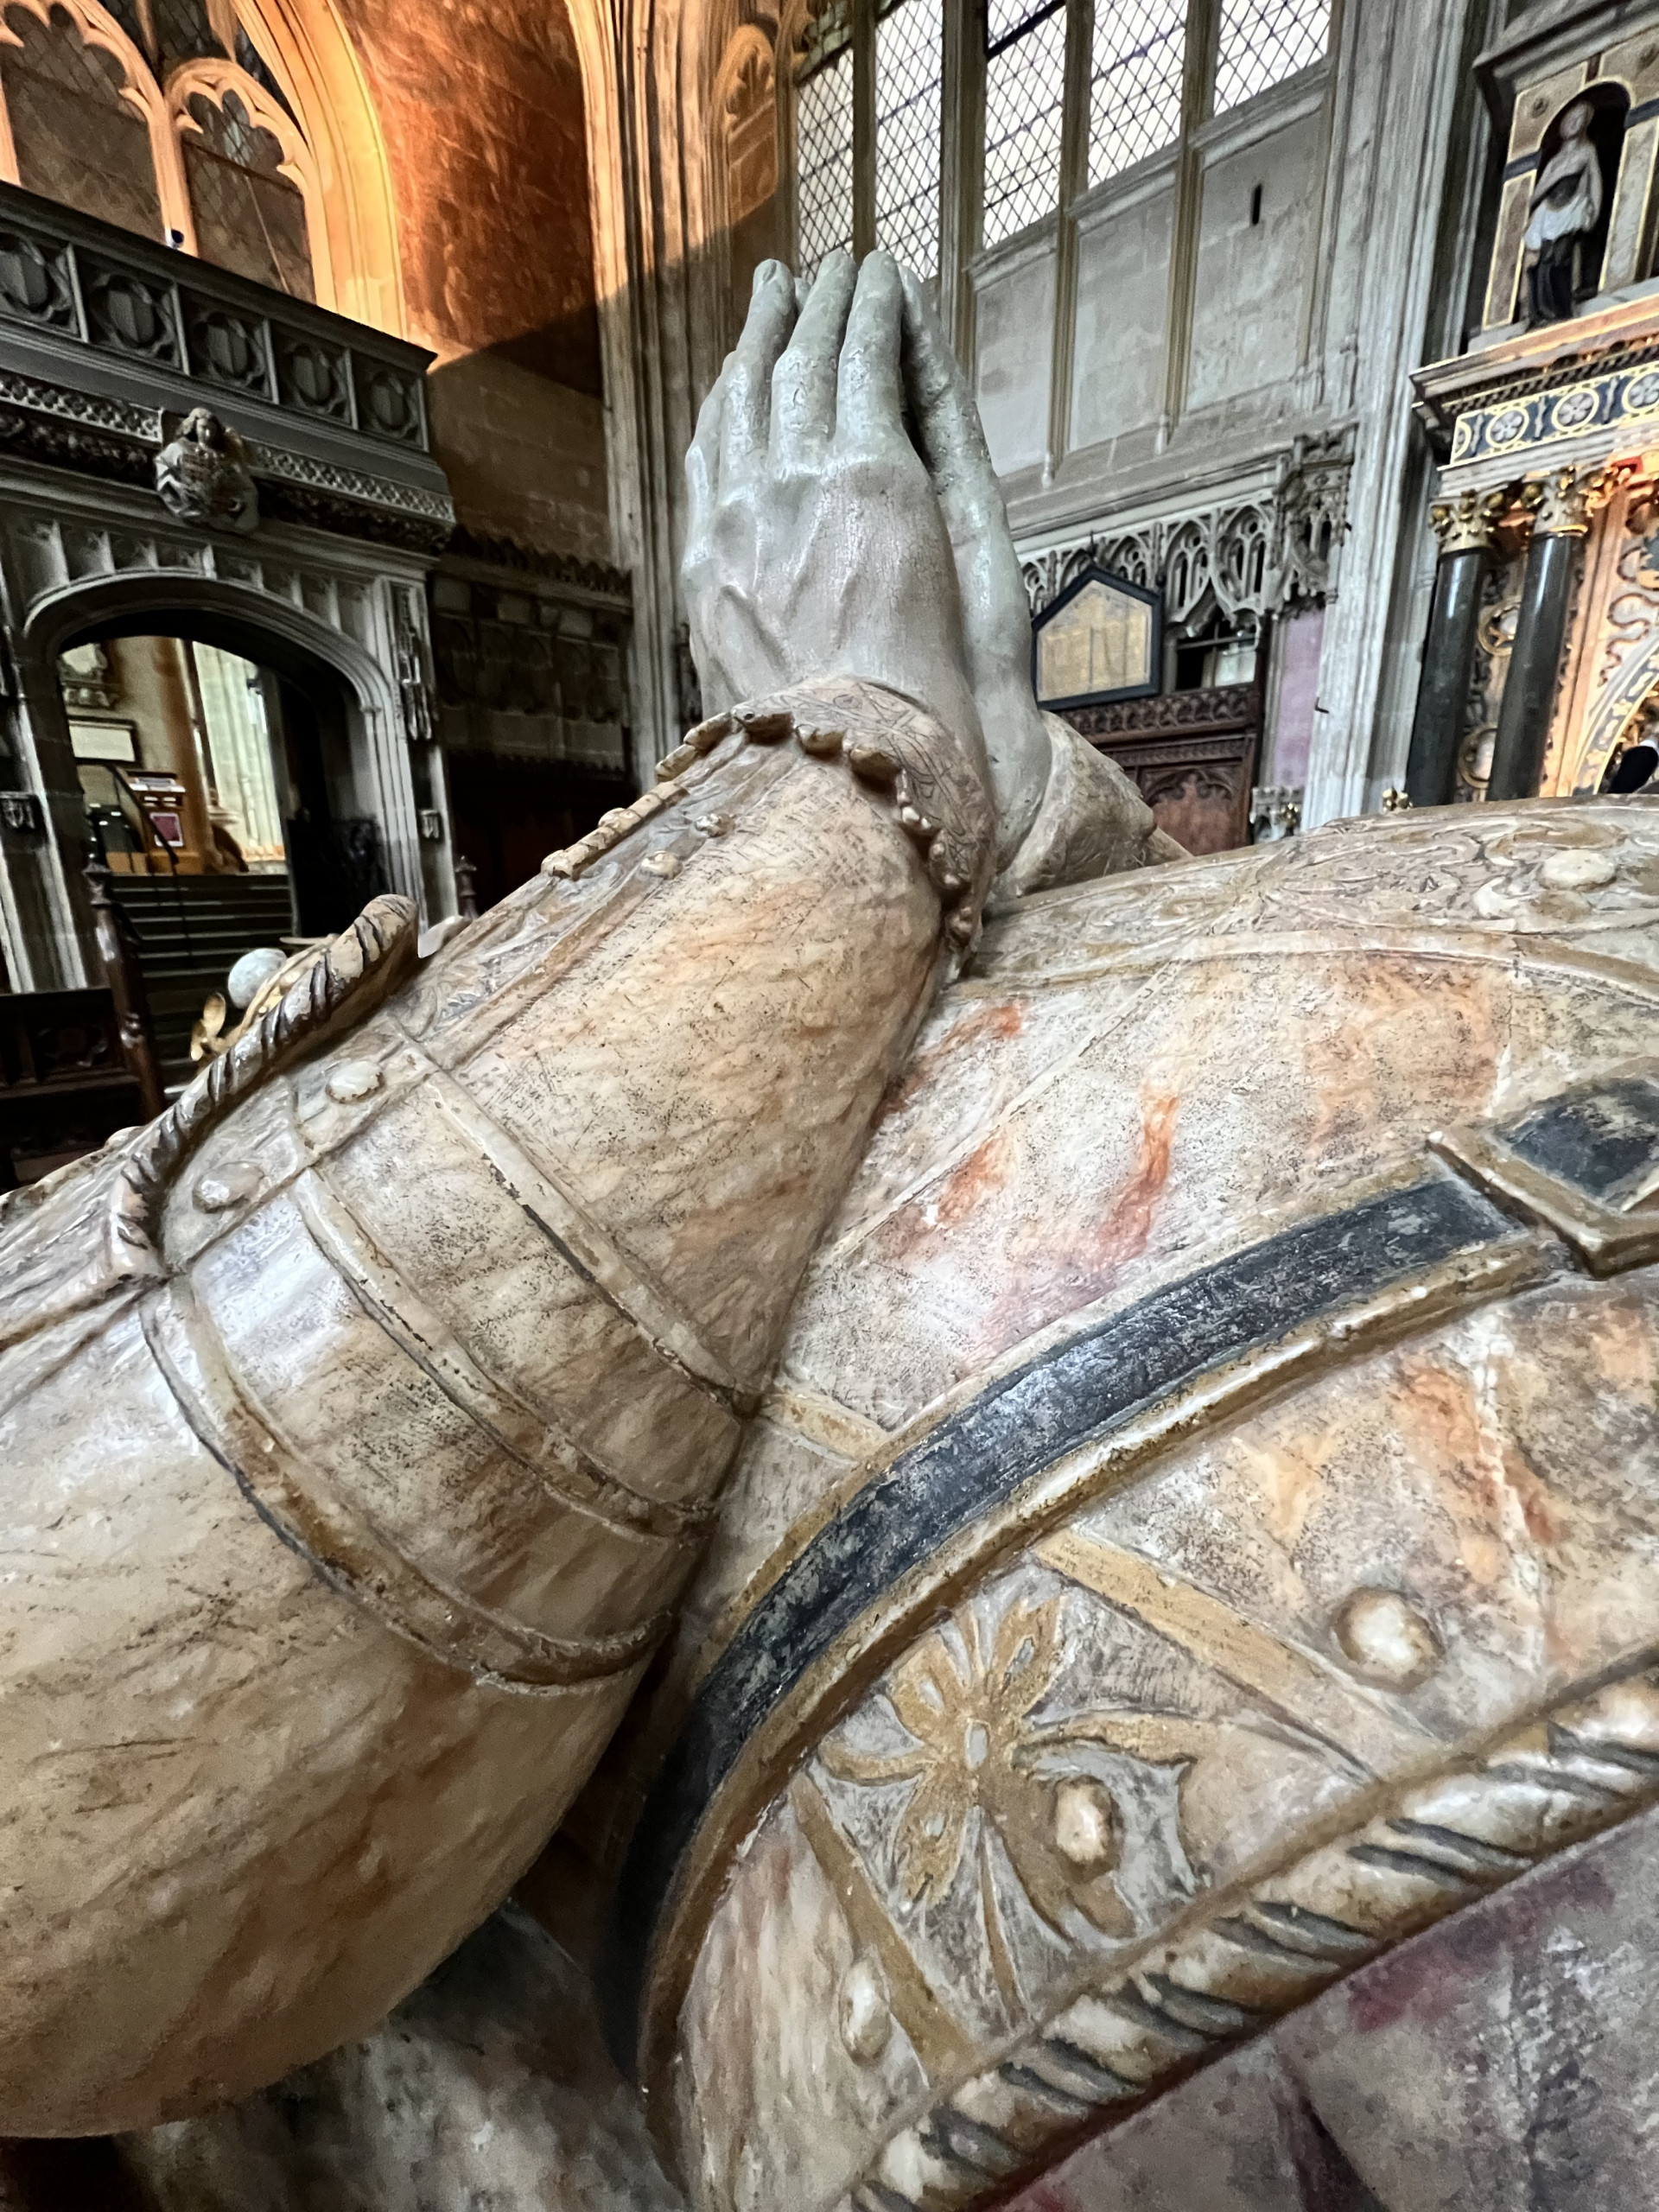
point(191, 929)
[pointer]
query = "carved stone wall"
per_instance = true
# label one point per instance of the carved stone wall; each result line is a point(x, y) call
point(1241, 558)
point(76, 554)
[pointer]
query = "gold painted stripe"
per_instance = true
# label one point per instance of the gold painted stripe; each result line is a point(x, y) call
point(340, 1542)
point(825, 1422)
point(1297, 1686)
point(1079, 1478)
point(944, 2048)
point(569, 1225)
point(570, 1475)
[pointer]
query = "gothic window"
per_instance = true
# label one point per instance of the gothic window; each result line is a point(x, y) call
point(183, 31)
point(1136, 82)
point(867, 137)
point(908, 75)
point(823, 142)
point(209, 163)
point(78, 136)
point(1025, 104)
point(249, 216)
point(1264, 40)
point(1065, 95)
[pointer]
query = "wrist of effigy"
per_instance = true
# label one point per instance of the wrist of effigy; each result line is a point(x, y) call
point(921, 773)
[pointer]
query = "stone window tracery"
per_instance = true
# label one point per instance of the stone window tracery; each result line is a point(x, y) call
point(160, 116)
point(250, 216)
point(77, 132)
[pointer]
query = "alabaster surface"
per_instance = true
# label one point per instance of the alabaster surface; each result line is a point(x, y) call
point(360, 1419)
point(1067, 1669)
point(490, 2086)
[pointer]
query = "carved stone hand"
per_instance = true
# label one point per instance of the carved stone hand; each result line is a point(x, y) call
point(995, 612)
point(818, 546)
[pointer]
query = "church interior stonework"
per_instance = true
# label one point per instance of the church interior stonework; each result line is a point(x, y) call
point(829, 1105)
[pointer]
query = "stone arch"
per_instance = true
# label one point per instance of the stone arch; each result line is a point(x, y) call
point(744, 144)
point(98, 29)
point(215, 611)
point(213, 79)
point(1608, 724)
point(240, 617)
point(354, 242)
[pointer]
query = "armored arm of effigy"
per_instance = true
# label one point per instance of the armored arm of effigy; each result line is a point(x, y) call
point(360, 1418)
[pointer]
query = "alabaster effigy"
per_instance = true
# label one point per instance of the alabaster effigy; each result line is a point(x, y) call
point(1107, 1471)
point(362, 1415)
point(1203, 1530)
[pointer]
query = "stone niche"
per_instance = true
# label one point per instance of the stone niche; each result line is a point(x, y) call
point(1607, 54)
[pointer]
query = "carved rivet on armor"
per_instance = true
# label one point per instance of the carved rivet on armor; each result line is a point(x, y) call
point(823, 744)
point(664, 864)
point(351, 1080)
point(676, 763)
point(766, 726)
point(714, 825)
point(1087, 1831)
point(1384, 1637)
point(865, 2010)
point(1578, 870)
point(871, 764)
point(226, 1186)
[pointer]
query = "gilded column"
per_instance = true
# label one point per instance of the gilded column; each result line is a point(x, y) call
point(1564, 501)
point(1464, 528)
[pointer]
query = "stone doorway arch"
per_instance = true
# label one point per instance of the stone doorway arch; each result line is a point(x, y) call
point(343, 624)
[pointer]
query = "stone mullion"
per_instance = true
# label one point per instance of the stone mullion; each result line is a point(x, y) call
point(962, 161)
point(863, 126)
point(1203, 31)
point(1074, 178)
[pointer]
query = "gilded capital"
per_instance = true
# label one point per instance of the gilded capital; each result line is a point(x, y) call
point(1466, 525)
point(1563, 501)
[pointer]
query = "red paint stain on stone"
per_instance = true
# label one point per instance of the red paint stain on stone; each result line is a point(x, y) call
point(985, 1169)
point(989, 1025)
point(1545, 1525)
point(1065, 1270)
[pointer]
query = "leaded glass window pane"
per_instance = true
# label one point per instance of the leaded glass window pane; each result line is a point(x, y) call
point(823, 150)
point(1134, 102)
point(1025, 92)
point(1263, 41)
point(907, 80)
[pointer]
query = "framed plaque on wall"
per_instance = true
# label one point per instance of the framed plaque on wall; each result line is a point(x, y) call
point(1101, 639)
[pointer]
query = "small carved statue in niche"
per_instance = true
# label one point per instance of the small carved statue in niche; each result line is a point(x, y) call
point(1564, 207)
point(202, 477)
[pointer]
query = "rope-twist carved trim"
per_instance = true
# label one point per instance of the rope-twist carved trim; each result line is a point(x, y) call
point(350, 975)
point(1254, 1953)
point(891, 746)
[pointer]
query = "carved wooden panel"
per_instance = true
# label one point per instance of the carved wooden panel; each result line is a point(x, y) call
point(1192, 754)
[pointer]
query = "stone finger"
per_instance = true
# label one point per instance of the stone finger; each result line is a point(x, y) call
point(803, 383)
point(869, 393)
point(703, 463)
point(947, 422)
point(745, 425)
